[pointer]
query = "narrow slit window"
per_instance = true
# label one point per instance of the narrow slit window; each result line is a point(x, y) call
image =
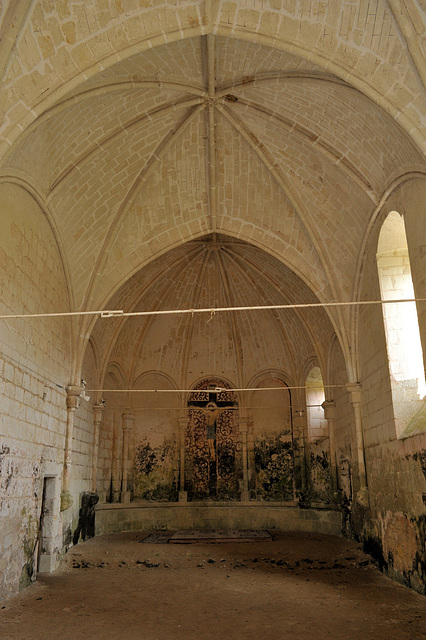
point(317, 426)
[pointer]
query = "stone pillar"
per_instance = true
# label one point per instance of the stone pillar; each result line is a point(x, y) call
point(251, 465)
point(128, 424)
point(73, 400)
point(98, 411)
point(182, 422)
point(300, 434)
point(117, 448)
point(329, 407)
point(243, 427)
point(354, 389)
point(50, 539)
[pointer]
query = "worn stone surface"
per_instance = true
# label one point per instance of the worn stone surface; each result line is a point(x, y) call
point(167, 155)
point(148, 516)
point(274, 467)
point(306, 586)
point(153, 472)
point(321, 488)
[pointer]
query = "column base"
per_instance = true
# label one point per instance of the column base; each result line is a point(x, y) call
point(245, 496)
point(183, 496)
point(125, 496)
point(338, 496)
point(102, 496)
point(47, 563)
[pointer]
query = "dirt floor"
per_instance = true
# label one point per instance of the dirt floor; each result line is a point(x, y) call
point(296, 586)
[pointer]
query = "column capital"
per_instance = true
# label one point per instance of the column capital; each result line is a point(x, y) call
point(355, 391)
point(299, 418)
point(98, 410)
point(329, 407)
point(128, 421)
point(73, 396)
point(182, 421)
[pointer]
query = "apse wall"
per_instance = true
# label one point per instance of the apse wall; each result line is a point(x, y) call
point(167, 353)
point(393, 527)
point(34, 372)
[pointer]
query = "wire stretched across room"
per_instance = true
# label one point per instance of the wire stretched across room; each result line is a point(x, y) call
point(218, 389)
point(113, 313)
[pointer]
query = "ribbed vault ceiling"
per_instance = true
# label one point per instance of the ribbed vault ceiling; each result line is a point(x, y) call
point(211, 135)
point(214, 271)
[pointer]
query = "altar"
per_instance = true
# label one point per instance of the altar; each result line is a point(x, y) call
point(169, 516)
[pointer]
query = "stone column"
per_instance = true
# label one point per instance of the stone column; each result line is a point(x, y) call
point(73, 400)
point(329, 407)
point(128, 424)
point(354, 389)
point(243, 427)
point(251, 466)
point(117, 447)
point(98, 411)
point(299, 434)
point(50, 538)
point(182, 422)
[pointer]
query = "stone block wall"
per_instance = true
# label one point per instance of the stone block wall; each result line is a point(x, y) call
point(95, 183)
point(34, 373)
point(393, 525)
point(31, 448)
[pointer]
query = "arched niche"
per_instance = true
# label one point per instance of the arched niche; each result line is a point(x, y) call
point(272, 449)
point(318, 438)
point(153, 451)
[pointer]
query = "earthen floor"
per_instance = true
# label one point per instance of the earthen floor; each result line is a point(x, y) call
point(297, 586)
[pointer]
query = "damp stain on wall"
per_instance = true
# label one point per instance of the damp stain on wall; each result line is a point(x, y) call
point(274, 467)
point(28, 545)
point(400, 550)
point(418, 580)
point(154, 476)
point(6, 468)
point(421, 457)
point(321, 489)
point(24, 473)
point(397, 539)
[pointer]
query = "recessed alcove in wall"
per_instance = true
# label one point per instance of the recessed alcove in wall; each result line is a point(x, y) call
point(158, 358)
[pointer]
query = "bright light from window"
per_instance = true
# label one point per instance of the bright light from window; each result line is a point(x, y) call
point(317, 426)
point(401, 322)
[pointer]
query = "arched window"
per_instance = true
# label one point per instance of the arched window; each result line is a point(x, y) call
point(317, 425)
point(401, 322)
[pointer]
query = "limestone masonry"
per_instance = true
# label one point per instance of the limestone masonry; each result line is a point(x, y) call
point(205, 154)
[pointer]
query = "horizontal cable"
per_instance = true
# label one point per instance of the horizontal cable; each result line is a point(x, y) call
point(281, 406)
point(113, 313)
point(215, 390)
